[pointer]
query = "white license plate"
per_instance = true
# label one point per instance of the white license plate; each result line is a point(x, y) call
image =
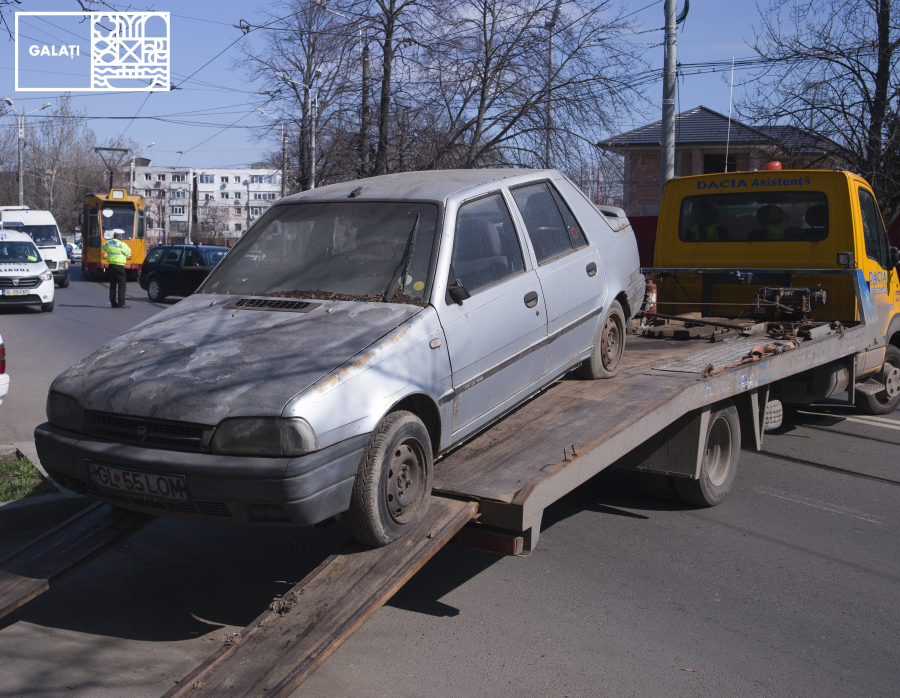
point(155, 485)
point(15, 291)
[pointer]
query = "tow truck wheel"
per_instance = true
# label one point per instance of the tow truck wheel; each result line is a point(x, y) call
point(888, 399)
point(606, 359)
point(392, 490)
point(718, 468)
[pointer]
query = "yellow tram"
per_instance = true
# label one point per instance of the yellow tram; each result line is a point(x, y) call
point(103, 215)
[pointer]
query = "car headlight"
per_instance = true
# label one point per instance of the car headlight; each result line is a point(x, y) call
point(264, 436)
point(64, 265)
point(64, 412)
point(46, 276)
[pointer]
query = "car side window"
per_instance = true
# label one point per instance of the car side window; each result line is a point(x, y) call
point(172, 257)
point(543, 221)
point(192, 258)
point(873, 230)
point(486, 249)
point(576, 234)
point(155, 255)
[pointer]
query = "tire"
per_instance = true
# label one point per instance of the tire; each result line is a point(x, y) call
point(382, 509)
point(48, 307)
point(155, 291)
point(888, 399)
point(64, 283)
point(606, 359)
point(720, 460)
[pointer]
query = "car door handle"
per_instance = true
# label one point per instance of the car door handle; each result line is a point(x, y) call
point(591, 269)
point(531, 299)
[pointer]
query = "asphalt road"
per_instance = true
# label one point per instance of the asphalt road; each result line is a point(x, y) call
point(790, 588)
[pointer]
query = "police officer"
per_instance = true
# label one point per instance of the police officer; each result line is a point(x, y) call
point(117, 252)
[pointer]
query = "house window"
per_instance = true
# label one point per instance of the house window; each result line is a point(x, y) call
point(178, 210)
point(237, 210)
point(160, 192)
point(160, 178)
point(237, 179)
point(178, 194)
point(268, 195)
point(237, 195)
point(147, 176)
point(716, 163)
point(209, 197)
point(224, 180)
point(177, 177)
point(256, 210)
point(237, 227)
point(224, 195)
point(207, 179)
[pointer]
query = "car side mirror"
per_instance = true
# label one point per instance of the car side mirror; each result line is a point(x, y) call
point(895, 257)
point(458, 292)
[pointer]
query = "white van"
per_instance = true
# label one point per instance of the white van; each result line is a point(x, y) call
point(24, 276)
point(41, 226)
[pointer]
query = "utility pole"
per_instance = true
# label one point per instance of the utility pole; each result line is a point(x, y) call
point(667, 159)
point(190, 203)
point(550, 25)
point(20, 118)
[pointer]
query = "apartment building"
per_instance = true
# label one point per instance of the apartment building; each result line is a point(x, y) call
point(226, 201)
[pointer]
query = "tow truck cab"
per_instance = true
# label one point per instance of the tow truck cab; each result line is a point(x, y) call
point(736, 223)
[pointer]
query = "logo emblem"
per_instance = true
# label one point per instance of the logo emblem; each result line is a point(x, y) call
point(15, 282)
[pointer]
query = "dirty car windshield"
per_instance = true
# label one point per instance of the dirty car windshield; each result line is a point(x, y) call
point(344, 251)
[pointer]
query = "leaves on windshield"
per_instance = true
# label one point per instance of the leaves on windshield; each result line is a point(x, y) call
point(397, 297)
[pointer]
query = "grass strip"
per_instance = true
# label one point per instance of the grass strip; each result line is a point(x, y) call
point(19, 479)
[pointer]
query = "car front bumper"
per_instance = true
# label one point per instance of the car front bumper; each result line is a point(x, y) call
point(244, 490)
point(38, 295)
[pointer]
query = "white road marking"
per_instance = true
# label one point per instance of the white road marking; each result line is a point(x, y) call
point(824, 506)
point(868, 421)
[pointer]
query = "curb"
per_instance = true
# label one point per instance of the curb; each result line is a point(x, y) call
point(43, 510)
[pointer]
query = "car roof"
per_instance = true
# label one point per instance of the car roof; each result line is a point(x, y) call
point(428, 185)
point(7, 234)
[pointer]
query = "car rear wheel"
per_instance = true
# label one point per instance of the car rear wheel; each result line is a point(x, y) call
point(392, 490)
point(888, 399)
point(718, 468)
point(606, 359)
point(155, 292)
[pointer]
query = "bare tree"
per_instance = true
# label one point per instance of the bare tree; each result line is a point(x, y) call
point(831, 70)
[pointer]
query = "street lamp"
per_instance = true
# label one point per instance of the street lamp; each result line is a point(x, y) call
point(550, 26)
point(133, 154)
point(21, 119)
point(283, 148)
point(364, 107)
point(314, 97)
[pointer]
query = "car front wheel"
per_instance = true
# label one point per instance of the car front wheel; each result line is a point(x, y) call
point(155, 291)
point(392, 490)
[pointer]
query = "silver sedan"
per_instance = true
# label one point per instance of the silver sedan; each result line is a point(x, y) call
point(354, 334)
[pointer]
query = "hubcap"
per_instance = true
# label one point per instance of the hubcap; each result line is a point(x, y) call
point(610, 342)
point(718, 452)
point(405, 485)
point(154, 289)
point(891, 381)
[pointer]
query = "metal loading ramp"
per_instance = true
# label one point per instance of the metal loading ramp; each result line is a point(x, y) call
point(286, 644)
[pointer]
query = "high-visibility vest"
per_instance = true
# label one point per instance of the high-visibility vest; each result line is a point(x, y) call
point(116, 252)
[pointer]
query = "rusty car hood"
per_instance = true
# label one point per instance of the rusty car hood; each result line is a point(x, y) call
point(201, 362)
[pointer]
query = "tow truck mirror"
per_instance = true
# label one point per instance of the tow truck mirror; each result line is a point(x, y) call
point(895, 257)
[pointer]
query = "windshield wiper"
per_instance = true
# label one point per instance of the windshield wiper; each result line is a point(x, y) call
point(399, 280)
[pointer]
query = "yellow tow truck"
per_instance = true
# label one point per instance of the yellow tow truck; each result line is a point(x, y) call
point(746, 245)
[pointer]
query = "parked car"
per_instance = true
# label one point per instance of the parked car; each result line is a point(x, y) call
point(76, 253)
point(354, 333)
point(177, 270)
point(42, 229)
point(24, 276)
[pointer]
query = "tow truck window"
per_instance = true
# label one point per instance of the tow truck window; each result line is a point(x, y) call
point(800, 216)
point(873, 230)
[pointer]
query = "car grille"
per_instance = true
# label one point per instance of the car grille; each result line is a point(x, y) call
point(24, 282)
point(218, 509)
point(154, 433)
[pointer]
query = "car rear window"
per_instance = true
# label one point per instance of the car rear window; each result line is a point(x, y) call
point(754, 217)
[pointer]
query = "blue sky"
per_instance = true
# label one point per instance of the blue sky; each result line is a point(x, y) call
point(219, 95)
